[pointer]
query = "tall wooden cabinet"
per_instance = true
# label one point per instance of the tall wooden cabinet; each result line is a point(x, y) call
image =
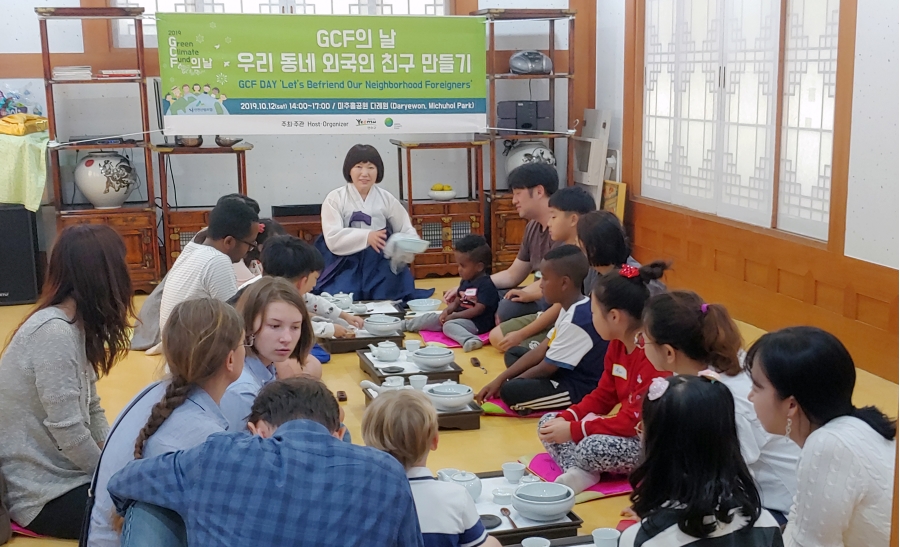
point(505, 226)
point(135, 222)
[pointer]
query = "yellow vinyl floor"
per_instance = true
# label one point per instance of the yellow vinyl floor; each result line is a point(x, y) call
point(499, 440)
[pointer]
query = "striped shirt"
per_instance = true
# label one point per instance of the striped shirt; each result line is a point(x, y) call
point(447, 514)
point(661, 530)
point(200, 272)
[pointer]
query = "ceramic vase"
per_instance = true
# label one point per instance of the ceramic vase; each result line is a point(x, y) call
point(106, 179)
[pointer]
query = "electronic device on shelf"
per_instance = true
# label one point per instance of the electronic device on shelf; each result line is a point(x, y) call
point(95, 139)
point(527, 115)
point(530, 62)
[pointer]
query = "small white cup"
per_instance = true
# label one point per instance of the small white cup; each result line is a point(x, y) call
point(606, 537)
point(529, 478)
point(412, 345)
point(393, 381)
point(502, 496)
point(418, 381)
point(535, 542)
point(513, 472)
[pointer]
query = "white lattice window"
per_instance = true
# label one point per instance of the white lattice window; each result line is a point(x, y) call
point(123, 30)
point(710, 101)
point(810, 65)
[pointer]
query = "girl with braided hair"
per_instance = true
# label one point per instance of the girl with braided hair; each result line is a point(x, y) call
point(203, 346)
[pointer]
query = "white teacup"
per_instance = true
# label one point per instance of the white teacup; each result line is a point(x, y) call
point(412, 345)
point(358, 309)
point(535, 542)
point(418, 381)
point(513, 472)
point(605, 537)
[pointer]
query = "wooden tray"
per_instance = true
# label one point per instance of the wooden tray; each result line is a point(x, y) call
point(347, 345)
point(550, 530)
point(401, 313)
point(467, 419)
point(378, 376)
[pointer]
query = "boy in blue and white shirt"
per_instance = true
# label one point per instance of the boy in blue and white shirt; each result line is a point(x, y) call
point(404, 424)
point(567, 365)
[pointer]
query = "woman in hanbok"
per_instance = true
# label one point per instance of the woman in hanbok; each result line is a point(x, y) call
point(357, 220)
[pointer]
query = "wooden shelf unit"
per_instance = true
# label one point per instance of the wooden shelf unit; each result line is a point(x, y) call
point(181, 224)
point(506, 227)
point(442, 223)
point(135, 222)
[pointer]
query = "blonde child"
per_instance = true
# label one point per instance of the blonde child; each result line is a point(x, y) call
point(404, 424)
point(585, 440)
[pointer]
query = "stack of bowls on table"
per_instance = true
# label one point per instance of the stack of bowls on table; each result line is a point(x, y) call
point(543, 501)
point(432, 359)
point(382, 325)
point(449, 396)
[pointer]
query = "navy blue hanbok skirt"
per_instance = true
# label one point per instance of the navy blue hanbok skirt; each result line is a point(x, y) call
point(367, 274)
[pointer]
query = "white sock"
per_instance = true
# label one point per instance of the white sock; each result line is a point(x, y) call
point(578, 479)
point(472, 344)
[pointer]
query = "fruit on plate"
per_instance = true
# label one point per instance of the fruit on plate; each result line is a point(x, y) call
point(441, 187)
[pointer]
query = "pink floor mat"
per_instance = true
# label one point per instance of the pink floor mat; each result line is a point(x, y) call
point(430, 336)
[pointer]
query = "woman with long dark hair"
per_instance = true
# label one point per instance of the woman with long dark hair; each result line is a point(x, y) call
point(692, 486)
point(51, 421)
point(803, 380)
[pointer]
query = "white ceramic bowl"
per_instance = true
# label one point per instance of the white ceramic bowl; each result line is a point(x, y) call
point(411, 244)
point(460, 398)
point(382, 325)
point(431, 359)
point(424, 304)
point(543, 491)
point(442, 195)
point(543, 511)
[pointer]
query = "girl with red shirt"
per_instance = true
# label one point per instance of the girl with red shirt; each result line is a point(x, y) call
point(584, 439)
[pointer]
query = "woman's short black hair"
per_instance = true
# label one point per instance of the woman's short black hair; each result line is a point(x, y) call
point(813, 366)
point(691, 457)
point(363, 153)
point(603, 238)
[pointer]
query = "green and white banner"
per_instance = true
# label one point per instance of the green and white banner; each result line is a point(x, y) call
point(321, 74)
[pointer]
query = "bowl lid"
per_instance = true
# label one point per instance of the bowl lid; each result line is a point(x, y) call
point(449, 390)
point(381, 319)
point(543, 491)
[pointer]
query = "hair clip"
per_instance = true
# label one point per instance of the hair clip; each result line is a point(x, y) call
point(628, 271)
point(657, 387)
point(704, 308)
point(262, 227)
point(710, 375)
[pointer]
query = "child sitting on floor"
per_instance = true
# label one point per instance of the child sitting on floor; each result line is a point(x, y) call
point(692, 487)
point(404, 424)
point(301, 263)
point(584, 440)
point(567, 365)
point(516, 336)
point(473, 312)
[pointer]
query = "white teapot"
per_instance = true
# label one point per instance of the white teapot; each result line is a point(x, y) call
point(385, 351)
point(469, 481)
point(343, 300)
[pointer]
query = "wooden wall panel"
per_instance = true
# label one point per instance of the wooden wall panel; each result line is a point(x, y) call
point(774, 282)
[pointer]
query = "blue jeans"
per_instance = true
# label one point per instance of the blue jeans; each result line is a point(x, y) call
point(152, 526)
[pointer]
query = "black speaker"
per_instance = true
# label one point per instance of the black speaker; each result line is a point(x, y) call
point(18, 256)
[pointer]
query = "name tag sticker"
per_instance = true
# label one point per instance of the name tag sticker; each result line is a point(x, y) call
point(471, 292)
point(620, 372)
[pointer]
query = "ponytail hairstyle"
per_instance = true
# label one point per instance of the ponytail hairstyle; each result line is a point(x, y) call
point(626, 289)
point(196, 341)
point(255, 300)
point(704, 332)
point(815, 368)
point(691, 461)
